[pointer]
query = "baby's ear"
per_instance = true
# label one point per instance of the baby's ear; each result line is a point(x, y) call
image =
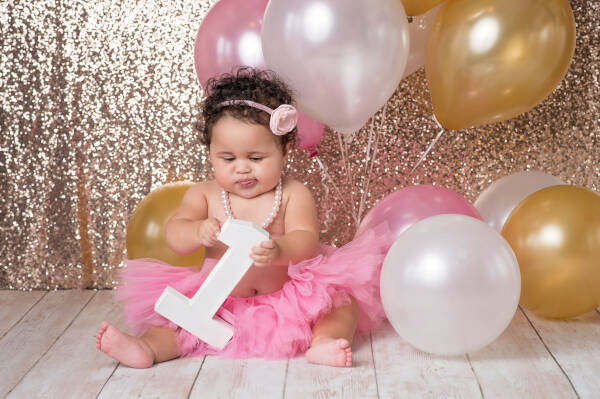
point(287, 148)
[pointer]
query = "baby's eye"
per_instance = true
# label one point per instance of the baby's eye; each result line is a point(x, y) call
point(228, 159)
point(256, 159)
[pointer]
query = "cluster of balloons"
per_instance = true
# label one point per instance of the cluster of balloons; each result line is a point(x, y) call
point(554, 230)
point(342, 58)
point(450, 283)
point(485, 60)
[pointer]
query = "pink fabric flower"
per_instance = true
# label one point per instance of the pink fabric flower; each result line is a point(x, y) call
point(283, 119)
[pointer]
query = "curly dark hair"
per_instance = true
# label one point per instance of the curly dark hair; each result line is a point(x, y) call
point(246, 83)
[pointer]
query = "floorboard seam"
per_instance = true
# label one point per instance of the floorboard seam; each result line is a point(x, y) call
point(374, 366)
point(287, 365)
point(196, 377)
point(475, 375)
point(24, 314)
point(53, 343)
point(550, 352)
point(108, 379)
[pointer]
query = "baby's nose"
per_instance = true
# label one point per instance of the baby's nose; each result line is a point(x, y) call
point(243, 167)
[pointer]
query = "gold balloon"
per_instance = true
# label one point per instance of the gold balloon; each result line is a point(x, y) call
point(555, 234)
point(146, 228)
point(491, 60)
point(418, 7)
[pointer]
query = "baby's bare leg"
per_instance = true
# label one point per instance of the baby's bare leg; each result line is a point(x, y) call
point(158, 344)
point(332, 337)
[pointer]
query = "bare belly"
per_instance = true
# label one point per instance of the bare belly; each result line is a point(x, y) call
point(257, 280)
point(261, 280)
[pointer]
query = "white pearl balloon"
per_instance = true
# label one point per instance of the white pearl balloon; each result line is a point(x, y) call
point(450, 284)
point(343, 58)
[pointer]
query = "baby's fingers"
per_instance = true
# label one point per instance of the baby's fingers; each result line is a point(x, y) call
point(259, 251)
point(259, 260)
point(268, 244)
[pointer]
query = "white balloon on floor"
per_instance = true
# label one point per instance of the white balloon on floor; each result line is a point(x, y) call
point(450, 284)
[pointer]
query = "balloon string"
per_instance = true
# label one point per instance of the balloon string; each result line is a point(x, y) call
point(343, 152)
point(370, 163)
point(349, 177)
point(366, 176)
point(326, 176)
point(435, 140)
point(370, 173)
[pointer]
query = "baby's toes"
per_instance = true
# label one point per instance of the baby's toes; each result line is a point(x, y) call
point(349, 357)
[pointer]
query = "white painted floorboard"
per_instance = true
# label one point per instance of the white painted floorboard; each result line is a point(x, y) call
point(15, 304)
point(247, 378)
point(27, 341)
point(47, 350)
point(307, 380)
point(405, 372)
point(575, 344)
point(518, 365)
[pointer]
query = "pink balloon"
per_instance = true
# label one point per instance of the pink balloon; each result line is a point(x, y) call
point(310, 131)
point(228, 37)
point(409, 205)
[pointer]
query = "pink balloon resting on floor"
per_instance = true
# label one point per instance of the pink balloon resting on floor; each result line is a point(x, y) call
point(409, 205)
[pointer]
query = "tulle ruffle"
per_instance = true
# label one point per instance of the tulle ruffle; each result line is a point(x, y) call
point(275, 325)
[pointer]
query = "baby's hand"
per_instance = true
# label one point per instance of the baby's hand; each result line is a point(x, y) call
point(265, 253)
point(208, 231)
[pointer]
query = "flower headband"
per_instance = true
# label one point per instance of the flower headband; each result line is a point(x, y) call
point(283, 118)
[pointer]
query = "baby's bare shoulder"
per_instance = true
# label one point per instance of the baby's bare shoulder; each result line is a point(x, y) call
point(297, 195)
point(198, 196)
point(294, 186)
point(204, 189)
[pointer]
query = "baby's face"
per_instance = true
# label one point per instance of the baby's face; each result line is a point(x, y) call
point(247, 158)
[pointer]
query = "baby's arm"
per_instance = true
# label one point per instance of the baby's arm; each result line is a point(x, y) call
point(190, 228)
point(301, 237)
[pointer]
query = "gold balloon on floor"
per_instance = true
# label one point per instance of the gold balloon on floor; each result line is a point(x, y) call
point(418, 7)
point(555, 234)
point(491, 60)
point(145, 230)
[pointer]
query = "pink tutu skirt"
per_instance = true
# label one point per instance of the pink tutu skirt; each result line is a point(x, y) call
point(275, 325)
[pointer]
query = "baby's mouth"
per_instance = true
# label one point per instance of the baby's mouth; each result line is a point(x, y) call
point(247, 183)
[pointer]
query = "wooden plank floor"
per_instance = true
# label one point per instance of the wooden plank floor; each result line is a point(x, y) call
point(47, 351)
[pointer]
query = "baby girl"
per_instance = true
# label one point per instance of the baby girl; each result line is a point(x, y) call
point(298, 296)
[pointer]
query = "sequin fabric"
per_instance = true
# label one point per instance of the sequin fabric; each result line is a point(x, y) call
point(97, 103)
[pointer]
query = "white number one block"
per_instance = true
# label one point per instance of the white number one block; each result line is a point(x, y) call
point(197, 314)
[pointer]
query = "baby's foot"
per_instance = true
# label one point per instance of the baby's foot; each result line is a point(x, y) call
point(330, 352)
point(129, 350)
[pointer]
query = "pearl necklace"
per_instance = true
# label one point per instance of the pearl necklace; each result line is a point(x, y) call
point(274, 210)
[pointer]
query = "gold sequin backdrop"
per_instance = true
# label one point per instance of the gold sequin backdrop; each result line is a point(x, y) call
point(98, 99)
